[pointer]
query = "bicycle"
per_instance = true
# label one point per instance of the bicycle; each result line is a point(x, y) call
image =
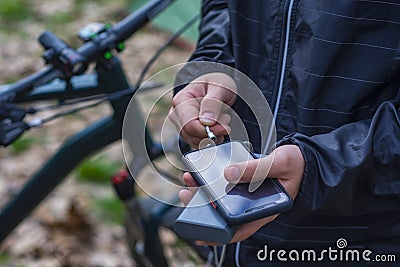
point(65, 80)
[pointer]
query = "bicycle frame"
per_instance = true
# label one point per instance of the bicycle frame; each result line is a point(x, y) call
point(108, 79)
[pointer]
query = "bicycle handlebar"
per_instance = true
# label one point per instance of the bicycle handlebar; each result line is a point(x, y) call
point(128, 26)
point(27, 83)
point(109, 40)
point(90, 51)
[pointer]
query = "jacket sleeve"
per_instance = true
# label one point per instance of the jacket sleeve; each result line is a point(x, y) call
point(214, 45)
point(214, 42)
point(355, 169)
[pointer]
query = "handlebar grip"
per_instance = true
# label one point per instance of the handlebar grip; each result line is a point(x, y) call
point(79, 58)
point(26, 84)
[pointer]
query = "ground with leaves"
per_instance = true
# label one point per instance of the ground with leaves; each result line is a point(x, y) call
point(79, 224)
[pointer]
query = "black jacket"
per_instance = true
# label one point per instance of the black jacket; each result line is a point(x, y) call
point(339, 104)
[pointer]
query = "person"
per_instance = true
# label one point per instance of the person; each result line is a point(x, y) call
point(331, 71)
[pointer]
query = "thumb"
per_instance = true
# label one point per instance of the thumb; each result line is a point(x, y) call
point(253, 171)
point(246, 171)
point(217, 99)
point(212, 105)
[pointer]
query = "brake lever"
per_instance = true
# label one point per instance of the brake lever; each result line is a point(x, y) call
point(10, 112)
point(10, 131)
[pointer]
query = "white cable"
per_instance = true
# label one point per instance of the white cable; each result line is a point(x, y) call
point(278, 99)
point(216, 262)
point(237, 250)
point(221, 260)
point(219, 263)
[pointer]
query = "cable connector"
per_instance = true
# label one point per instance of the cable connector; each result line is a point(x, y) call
point(210, 134)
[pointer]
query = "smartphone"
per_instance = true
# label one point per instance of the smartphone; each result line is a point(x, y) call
point(234, 201)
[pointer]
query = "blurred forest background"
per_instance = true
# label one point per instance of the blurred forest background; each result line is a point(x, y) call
point(79, 224)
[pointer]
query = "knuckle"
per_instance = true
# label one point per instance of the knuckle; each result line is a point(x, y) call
point(190, 127)
point(176, 101)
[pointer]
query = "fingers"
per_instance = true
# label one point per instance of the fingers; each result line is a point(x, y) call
point(192, 141)
point(202, 103)
point(217, 99)
point(185, 196)
point(244, 231)
point(248, 229)
point(222, 127)
point(275, 165)
point(185, 115)
point(248, 171)
point(286, 163)
point(205, 243)
point(188, 179)
point(190, 127)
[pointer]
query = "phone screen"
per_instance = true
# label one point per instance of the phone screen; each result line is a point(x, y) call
point(237, 200)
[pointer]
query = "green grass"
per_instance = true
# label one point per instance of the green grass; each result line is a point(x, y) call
point(110, 210)
point(14, 10)
point(82, 2)
point(24, 143)
point(97, 169)
point(62, 17)
point(4, 258)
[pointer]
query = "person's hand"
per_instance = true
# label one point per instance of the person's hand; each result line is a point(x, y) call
point(202, 103)
point(286, 163)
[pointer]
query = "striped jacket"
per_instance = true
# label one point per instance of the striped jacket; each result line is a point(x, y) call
point(334, 67)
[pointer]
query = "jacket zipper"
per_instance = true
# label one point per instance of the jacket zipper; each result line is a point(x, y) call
point(277, 92)
point(283, 53)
